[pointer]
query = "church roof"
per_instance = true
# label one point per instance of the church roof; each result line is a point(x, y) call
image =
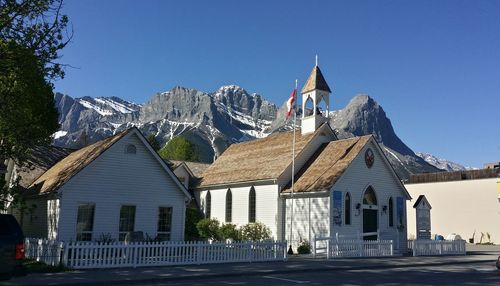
point(256, 160)
point(316, 81)
point(327, 165)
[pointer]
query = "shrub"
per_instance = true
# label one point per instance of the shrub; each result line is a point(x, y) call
point(209, 229)
point(304, 247)
point(193, 216)
point(105, 238)
point(229, 231)
point(255, 231)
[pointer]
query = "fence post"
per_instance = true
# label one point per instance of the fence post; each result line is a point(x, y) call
point(392, 250)
point(415, 245)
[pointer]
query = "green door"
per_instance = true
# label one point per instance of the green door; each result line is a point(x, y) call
point(370, 224)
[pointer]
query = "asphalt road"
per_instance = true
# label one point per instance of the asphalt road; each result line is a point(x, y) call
point(484, 274)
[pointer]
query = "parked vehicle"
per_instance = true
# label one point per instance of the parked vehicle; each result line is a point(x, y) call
point(11, 247)
point(498, 262)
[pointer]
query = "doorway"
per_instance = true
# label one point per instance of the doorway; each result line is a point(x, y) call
point(370, 224)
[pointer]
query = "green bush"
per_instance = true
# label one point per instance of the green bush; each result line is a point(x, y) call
point(209, 229)
point(193, 216)
point(304, 247)
point(255, 231)
point(229, 231)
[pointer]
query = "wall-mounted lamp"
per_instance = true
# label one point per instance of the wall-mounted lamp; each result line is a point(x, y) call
point(384, 209)
point(358, 208)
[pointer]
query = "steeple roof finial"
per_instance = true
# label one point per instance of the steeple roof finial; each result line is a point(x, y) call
point(316, 80)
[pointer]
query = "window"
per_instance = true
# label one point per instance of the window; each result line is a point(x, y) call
point(164, 223)
point(347, 209)
point(208, 205)
point(251, 205)
point(369, 197)
point(127, 221)
point(229, 206)
point(130, 149)
point(391, 212)
point(85, 222)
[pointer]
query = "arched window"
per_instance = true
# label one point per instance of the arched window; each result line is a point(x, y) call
point(369, 197)
point(251, 205)
point(130, 149)
point(391, 212)
point(208, 205)
point(347, 209)
point(229, 206)
point(309, 107)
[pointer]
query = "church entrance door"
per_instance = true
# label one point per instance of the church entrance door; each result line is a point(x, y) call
point(370, 224)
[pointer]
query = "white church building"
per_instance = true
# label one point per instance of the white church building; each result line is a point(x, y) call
point(341, 187)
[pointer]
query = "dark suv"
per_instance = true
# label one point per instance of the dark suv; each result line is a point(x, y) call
point(11, 247)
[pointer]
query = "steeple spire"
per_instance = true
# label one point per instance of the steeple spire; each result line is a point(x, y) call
point(316, 81)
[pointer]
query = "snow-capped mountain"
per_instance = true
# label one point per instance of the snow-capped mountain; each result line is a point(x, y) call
point(213, 121)
point(442, 164)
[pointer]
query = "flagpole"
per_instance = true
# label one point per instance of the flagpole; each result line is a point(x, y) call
point(293, 171)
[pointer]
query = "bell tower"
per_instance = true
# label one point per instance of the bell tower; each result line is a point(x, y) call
point(314, 91)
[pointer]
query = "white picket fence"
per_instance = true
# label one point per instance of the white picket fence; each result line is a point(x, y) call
point(424, 247)
point(338, 248)
point(43, 250)
point(79, 255)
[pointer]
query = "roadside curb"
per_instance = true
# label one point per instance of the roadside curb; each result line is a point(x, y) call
point(264, 272)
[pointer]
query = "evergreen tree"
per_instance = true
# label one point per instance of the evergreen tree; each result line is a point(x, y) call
point(179, 148)
point(153, 142)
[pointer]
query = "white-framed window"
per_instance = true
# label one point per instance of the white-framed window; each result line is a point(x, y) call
point(127, 221)
point(347, 209)
point(85, 221)
point(252, 206)
point(391, 212)
point(130, 149)
point(229, 206)
point(164, 223)
point(208, 205)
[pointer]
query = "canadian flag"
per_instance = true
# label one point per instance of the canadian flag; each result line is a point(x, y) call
point(289, 103)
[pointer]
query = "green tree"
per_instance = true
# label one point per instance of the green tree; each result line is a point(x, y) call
point(209, 229)
point(32, 33)
point(154, 142)
point(193, 216)
point(179, 148)
point(40, 27)
point(255, 231)
point(229, 231)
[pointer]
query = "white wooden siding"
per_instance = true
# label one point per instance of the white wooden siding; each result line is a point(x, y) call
point(311, 217)
point(266, 198)
point(355, 180)
point(115, 179)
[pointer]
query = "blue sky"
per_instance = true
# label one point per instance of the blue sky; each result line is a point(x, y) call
point(434, 66)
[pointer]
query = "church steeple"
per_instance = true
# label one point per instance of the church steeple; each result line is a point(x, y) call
point(316, 90)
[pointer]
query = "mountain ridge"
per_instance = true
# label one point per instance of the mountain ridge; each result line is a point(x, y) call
point(215, 120)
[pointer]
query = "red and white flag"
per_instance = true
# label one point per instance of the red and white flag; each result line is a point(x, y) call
point(290, 102)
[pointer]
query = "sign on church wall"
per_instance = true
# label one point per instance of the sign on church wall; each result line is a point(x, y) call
point(337, 208)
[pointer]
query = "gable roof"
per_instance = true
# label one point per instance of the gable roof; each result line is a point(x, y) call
point(316, 81)
point(195, 169)
point(327, 165)
point(65, 169)
point(256, 160)
point(39, 160)
point(421, 199)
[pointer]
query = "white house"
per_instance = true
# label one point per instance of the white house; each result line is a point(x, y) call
point(344, 187)
point(115, 186)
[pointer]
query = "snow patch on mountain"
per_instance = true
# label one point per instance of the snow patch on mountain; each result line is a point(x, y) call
point(442, 164)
